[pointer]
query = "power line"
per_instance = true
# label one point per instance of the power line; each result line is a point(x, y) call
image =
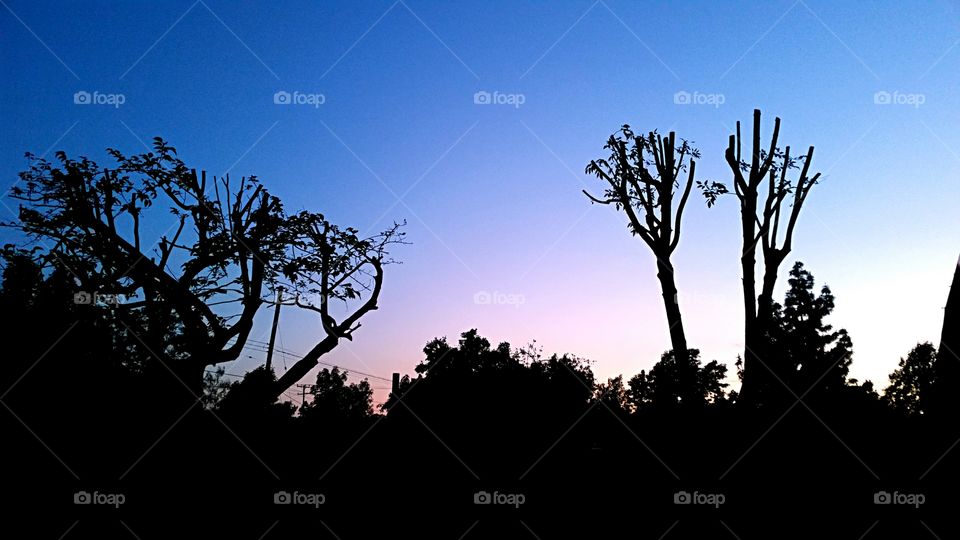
point(347, 370)
point(283, 354)
point(226, 374)
point(299, 356)
point(261, 346)
point(285, 392)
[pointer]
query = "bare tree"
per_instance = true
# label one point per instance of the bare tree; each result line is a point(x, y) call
point(643, 174)
point(761, 225)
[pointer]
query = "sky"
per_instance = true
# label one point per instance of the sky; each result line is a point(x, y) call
point(474, 121)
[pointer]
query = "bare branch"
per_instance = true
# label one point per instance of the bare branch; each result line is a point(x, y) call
point(683, 203)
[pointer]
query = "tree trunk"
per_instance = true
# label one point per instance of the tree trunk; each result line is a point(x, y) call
point(305, 364)
point(772, 388)
point(748, 264)
point(765, 300)
point(668, 286)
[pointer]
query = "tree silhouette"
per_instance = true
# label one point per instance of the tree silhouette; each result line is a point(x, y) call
point(215, 388)
point(328, 264)
point(336, 401)
point(805, 350)
point(614, 394)
point(251, 398)
point(760, 225)
point(673, 382)
point(912, 381)
point(39, 308)
point(190, 301)
point(466, 374)
point(643, 174)
point(94, 216)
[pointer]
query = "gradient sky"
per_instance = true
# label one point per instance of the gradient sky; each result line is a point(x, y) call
point(492, 193)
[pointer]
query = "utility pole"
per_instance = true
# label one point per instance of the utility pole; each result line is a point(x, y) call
point(273, 331)
point(394, 389)
point(303, 392)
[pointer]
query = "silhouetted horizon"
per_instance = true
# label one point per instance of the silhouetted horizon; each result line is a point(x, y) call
point(412, 269)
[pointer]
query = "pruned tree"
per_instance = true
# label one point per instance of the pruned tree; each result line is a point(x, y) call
point(328, 265)
point(761, 224)
point(190, 298)
point(643, 174)
point(222, 236)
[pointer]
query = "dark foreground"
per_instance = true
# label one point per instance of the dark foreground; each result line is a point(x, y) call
point(590, 473)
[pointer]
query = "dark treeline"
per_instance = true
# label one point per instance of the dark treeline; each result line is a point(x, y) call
point(112, 386)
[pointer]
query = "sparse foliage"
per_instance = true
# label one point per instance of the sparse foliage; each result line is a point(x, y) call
point(761, 223)
point(642, 175)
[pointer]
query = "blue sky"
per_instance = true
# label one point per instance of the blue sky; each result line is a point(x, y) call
point(492, 192)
